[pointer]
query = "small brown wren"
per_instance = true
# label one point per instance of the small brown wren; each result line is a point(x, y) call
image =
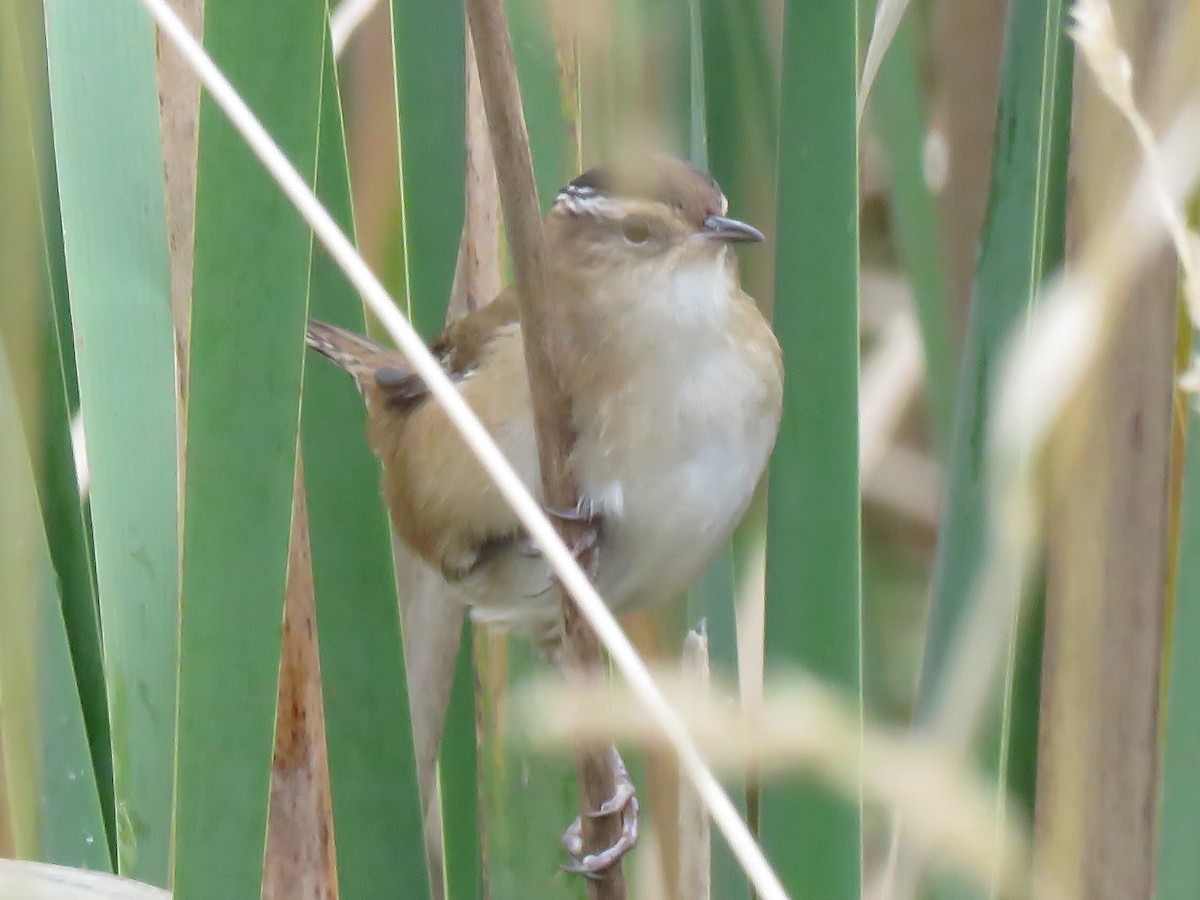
point(675, 384)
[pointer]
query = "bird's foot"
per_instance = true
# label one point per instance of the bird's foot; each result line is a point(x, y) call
point(577, 515)
point(588, 541)
point(623, 802)
point(588, 538)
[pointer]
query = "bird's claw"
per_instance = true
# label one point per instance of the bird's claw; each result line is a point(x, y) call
point(623, 802)
point(590, 523)
point(579, 546)
point(575, 515)
point(586, 541)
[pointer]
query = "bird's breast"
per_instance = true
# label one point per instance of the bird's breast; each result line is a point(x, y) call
point(671, 461)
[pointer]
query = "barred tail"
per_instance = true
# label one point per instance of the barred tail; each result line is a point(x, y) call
point(356, 354)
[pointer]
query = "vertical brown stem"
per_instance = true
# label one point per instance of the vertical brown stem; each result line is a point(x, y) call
point(551, 406)
point(1099, 756)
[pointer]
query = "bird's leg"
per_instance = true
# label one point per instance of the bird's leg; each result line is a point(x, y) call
point(623, 802)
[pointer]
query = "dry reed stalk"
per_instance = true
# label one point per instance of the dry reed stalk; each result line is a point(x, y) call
point(551, 406)
point(1109, 515)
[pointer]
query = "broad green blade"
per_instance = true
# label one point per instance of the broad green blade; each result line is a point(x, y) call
point(741, 102)
point(1022, 242)
point(739, 94)
point(68, 526)
point(106, 132)
point(546, 105)
point(667, 77)
point(899, 117)
point(252, 255)
point(814, 582)
point(372, 771)
point(53, 807)
point(697, 113)
point(459, 779)
point(528, 798)
point(67, 514)
point(429, 41)
point(738, 91)
point(1178, 861)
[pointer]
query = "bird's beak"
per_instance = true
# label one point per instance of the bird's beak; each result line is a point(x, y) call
point(731, 231)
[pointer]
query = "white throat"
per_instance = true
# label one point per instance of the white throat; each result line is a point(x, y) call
point(683, 302)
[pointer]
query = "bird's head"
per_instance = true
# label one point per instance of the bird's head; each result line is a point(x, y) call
point(643, 217)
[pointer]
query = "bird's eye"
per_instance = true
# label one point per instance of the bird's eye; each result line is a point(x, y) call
point(635, 229)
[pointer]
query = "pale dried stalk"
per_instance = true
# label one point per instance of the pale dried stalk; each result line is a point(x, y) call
point(44, 881)
point(666, 718)
point(908, 483)
point(1095, 33)
point(887, 21)
point(345, 19)
point(804, 726)
point(891, 377)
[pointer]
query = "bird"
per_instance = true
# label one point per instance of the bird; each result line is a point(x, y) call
point(675, 383)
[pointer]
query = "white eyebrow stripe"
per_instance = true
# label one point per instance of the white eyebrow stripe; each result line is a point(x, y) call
point(583, 200)
point(586, 202)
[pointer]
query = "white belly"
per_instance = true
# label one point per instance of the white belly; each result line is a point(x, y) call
point(683, 476)
point(677, 512)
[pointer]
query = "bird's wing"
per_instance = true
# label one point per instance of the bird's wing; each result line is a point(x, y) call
point(459, 349)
